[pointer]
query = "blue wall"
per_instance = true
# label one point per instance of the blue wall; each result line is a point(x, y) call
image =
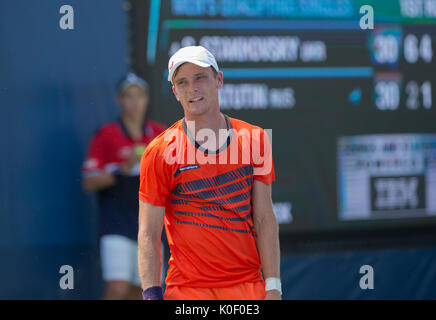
point(398, 274)
point(56, 88)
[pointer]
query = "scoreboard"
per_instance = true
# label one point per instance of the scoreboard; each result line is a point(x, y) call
point(351, 110)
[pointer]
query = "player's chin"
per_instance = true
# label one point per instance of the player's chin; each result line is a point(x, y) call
point(135, 112)
point(196, 109)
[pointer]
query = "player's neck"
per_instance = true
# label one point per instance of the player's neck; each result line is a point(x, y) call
point(133, 125)
point(212, 120)
point(215, 122)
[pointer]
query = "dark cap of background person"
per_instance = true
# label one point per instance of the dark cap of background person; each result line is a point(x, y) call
point(131, 79)
point(194, 54)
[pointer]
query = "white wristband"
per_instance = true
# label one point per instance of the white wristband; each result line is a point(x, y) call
point(273, 284)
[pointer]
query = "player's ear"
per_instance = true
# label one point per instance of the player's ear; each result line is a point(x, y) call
point(175, 93)
point(220, 80)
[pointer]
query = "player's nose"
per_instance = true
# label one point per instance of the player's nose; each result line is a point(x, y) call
point(193, 88)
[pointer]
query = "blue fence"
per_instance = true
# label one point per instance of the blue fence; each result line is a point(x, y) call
point(397, 274)
point(56, 88)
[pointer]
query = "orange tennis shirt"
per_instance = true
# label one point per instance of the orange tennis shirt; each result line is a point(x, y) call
point(207, 198)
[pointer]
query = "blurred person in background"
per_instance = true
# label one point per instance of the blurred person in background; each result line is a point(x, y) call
point(111, 169)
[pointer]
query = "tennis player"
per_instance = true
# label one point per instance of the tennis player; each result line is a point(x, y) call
point(111, 168)
point(218, 215)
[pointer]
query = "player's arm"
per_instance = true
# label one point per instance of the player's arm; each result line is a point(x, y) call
point(151, 220)
point(98, 181)
point(266, 226)
point(94, 177)
point(102, 180)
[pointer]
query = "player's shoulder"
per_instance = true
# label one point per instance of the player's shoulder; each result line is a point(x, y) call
point(238, 124)
point(159, 144)
point(107, 129)
point(156, 127)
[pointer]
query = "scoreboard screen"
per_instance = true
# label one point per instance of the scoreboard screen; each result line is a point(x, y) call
point(350, 103)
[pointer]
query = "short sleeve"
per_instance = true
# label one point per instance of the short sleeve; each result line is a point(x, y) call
point(262, 160)
point(95, 160)
point(155, 184)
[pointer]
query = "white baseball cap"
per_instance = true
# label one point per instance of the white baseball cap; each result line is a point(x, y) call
point(194, 54)
point(131, 79)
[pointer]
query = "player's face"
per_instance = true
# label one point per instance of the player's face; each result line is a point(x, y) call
point(133, 101)
point(196, 88)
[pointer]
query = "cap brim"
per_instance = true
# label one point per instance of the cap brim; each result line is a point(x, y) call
point(179, 63)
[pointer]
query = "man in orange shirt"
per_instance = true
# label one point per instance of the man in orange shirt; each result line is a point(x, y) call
point(208, 179)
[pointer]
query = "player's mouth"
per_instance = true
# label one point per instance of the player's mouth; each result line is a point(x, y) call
point(195, 100)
